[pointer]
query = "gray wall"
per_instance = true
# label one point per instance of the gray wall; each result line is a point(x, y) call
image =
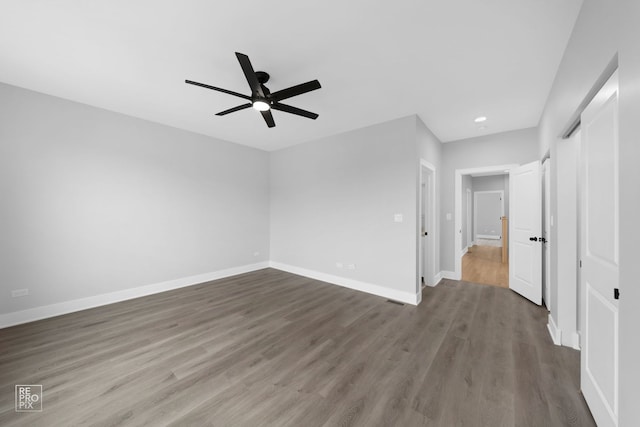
point(602, 30)
point(334, 200)
point(95, 202)
point(494, 182)
point(504, 148)
point(629, 50)
point(429, 146)
point(488, 211)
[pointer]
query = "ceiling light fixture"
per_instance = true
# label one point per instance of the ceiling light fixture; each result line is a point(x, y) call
point(480, 119)
point(261, 105)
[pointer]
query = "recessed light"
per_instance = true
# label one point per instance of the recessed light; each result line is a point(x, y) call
point(480, 119)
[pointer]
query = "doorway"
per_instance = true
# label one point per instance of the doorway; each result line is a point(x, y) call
point(459, 202)
point(524, 226)
point(483, 260)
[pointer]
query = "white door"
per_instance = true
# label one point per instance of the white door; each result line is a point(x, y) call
point(525, 227)
point(599, 254)
point(426, 231)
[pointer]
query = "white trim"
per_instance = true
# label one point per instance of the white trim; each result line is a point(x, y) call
point(554, 331)
point(446, 274)
point(357, 285)
point(571, 340)
point(457, 230)
point(43, 312)
point(437, 279)
point(469, 217)
point(546, 226)
point(465, 250)
point(488, 237)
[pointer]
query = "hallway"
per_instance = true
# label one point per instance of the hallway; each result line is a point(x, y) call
point(483, 264)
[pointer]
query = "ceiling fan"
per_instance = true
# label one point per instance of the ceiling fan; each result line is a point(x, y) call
point(261, 98)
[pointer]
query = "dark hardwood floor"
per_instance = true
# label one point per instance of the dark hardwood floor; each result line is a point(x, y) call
point(270, 348)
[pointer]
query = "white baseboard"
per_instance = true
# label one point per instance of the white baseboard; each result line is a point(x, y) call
point(446, 274)
point(554, 331)
point(437, 279)
point(571, 339)
point(488, 237)
point(576, 341)
point(464, 251)
point(406, 297)
point(43, 312)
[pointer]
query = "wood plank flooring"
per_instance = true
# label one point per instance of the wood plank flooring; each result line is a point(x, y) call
point(483, 264)
point(270, 348)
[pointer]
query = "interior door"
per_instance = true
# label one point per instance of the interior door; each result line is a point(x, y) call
point(525, 227)
point(426, 232)
point(599, 276)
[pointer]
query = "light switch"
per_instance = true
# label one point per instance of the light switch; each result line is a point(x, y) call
point(398, 218)
point(448, 217)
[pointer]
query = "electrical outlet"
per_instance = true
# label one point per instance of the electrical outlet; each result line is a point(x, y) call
point(19, 293)
point(339, 265)
point(351, 266)
point(256, 253)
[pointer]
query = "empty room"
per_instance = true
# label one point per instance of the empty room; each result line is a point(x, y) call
point(263, 214)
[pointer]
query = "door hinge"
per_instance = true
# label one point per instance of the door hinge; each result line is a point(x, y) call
point(580, 263)
point(616, 293)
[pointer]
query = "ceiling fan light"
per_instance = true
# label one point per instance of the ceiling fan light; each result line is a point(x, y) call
point(261, 105)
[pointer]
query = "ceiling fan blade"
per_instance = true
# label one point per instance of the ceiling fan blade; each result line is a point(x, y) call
point(250, 74)
point(295, 90)
point(230, 92)
point(234, 109)
point(268, 117)
point(294, 110)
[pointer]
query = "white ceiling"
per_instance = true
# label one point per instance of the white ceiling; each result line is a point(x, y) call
point(447, 61)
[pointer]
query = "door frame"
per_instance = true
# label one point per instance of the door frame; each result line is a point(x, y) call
point(427, 168)
point(469, 217)
point(457, 229)
point(545, 171)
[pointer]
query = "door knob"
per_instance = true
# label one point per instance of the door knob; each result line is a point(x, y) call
point(533, 239)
